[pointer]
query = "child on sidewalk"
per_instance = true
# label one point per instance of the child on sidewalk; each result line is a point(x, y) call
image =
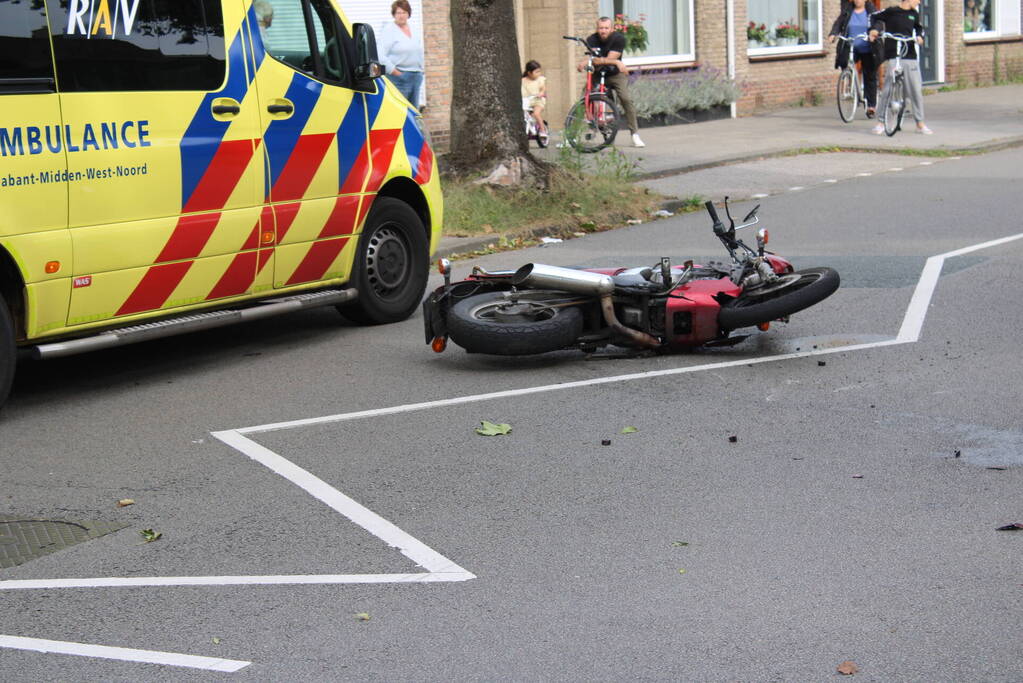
point(903, 20)
point(534, 93)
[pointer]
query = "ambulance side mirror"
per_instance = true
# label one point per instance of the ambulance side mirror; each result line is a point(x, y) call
point(368, 64)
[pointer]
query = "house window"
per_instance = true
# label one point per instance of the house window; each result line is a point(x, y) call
point(788, 26)
point(669, 27)
point(991, 18)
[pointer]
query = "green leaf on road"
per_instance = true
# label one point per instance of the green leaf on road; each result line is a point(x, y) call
point(216, 641)
point(362, 616)
point(629, 430)
point(149, 535)
point(679, 544)
point(681, 571)
point(487, 428)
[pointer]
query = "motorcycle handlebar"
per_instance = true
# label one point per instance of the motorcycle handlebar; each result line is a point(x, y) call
point(712, 211)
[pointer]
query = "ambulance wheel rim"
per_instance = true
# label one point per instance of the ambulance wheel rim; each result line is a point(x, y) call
point(387, 260)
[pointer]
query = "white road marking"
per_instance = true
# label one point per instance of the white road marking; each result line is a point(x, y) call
point(831, 180)
point(440, 568)
point(926, 163)
point(796, 188)
point(895, 168)
point(760, 195)
point(123, 654)
point(864, 174)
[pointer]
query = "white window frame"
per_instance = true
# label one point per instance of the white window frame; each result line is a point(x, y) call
point(1006, 16)
point(793, 49)
point(668, 59)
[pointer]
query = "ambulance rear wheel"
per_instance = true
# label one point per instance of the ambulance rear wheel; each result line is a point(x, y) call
point(8, 352)
point(391, 265)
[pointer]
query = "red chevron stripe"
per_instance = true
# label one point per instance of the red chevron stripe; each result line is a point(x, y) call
point(285, 217)
point(425, 165)
point(190, 235)
point(382, 142)
point(357, 174)
point(317, 261)
point(156, 286)
point(342, 218)
point(302, 165)
point(237, 278)
point(264, 258)
point(221, 176)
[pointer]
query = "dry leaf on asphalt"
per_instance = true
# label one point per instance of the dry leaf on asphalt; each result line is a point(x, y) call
point(362, 616)
point(847, 668)
point(125, 502)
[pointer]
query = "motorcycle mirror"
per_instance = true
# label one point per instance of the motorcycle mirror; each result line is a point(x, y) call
point(751, 214)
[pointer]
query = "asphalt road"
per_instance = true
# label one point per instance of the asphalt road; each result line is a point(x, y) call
point(840, 525)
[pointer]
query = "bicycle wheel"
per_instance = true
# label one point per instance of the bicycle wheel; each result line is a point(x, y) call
point(896, 108)
point(592, 129)
point(847, 95)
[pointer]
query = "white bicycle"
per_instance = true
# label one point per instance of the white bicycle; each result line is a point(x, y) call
point(532, 132)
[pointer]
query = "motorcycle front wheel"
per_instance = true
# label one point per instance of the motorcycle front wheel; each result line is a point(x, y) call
point(791, 294)
point(532, 322)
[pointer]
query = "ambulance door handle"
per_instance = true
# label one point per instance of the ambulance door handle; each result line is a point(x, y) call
point(225, 107)
point(280, 108)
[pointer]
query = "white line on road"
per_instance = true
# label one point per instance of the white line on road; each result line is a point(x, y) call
point(123, 654)
point(895, 168)
point(760, 195)
point(864, 174)
point(796, 188)
point(831, 180)
point(926, 163)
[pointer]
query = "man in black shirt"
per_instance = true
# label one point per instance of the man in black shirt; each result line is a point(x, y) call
point(610, 45)
point(903, 20)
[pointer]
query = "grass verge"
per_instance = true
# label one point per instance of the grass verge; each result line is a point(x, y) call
point(585, 195)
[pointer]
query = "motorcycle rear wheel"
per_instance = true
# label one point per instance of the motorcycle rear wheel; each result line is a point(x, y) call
point(491, 323)
point(797, 291)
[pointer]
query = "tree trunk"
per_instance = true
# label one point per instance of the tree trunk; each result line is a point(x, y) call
point(487, 130)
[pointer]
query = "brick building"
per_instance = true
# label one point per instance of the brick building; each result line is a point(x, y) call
point(969, 42)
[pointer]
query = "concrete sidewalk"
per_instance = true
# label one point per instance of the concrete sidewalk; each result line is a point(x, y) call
point(964, 121)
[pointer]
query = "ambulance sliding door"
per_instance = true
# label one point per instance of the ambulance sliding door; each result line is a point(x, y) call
point(314, 138)
point(33, 191)
point(165, 176)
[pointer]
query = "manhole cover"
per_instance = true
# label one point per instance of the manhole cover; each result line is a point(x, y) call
point(23, 539)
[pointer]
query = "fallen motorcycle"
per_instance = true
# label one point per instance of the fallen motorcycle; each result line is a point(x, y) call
point(664, 307)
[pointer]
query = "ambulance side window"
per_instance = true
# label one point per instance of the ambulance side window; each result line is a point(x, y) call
point(320, 52)
point(25, 62)
point(132, 45)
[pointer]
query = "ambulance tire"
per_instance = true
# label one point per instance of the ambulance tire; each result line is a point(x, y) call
point(391, 265)
point(8, 352)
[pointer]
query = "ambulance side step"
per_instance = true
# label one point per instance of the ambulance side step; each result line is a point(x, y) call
point(191, 323)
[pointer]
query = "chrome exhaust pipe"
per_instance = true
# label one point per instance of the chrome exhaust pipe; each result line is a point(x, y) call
point(539, 276)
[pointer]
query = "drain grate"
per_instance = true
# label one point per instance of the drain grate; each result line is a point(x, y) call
point(22, 539)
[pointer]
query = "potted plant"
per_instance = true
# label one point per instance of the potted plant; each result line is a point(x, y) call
point(756, 34)
point(636, 37)
point(788, 33)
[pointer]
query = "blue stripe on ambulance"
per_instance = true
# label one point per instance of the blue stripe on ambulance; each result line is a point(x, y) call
point(413, 141)
point(282, 134)
point(204, 134)
point(258, 49)
point(351, 137)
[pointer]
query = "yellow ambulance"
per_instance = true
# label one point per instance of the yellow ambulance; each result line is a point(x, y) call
point(172, 165)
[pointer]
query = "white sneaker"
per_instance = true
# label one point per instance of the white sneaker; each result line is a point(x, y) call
point(878, 129)
point(637, 141)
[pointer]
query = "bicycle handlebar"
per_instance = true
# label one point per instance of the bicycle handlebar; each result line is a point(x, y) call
point(590, 51)
point(852, 38)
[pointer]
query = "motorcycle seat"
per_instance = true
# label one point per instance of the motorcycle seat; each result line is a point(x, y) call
point(634, 280)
